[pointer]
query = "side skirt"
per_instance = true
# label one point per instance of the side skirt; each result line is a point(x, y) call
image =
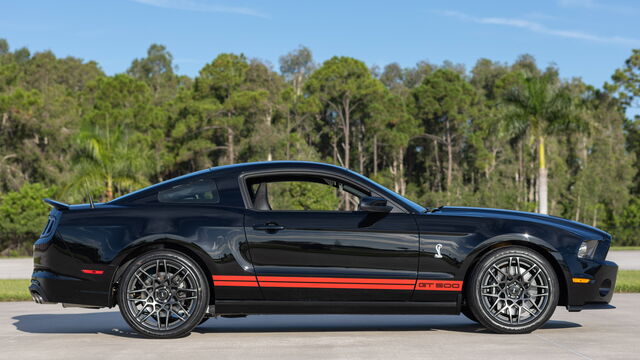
point(226, 307)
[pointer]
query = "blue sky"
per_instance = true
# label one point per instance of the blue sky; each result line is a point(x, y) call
point(585, 38)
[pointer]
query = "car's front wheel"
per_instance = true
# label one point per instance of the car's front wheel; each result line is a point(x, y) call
point(163, 294)
point(513, 290)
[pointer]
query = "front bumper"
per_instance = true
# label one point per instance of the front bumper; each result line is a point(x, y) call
point(599, 290)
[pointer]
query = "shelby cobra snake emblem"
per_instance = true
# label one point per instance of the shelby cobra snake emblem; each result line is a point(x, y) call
point(438, 255)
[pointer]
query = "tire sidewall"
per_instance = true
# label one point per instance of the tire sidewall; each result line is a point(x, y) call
point(196, 316)
point(475, 298)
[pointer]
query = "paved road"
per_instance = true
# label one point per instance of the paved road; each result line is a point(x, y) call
point(18, 268)
point(30, 331)
point(626, 259)
point(21, 268)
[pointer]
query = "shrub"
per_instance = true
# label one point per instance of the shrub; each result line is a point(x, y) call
point(23, 214)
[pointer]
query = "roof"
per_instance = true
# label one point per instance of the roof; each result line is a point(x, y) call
point(259, 165)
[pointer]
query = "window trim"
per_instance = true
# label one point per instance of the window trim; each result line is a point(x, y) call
point(248, 203)
point(187, 182)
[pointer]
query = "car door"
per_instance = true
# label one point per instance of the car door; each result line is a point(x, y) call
point(316, 253)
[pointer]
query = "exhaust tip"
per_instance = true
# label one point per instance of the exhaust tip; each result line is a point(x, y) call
point(37, 298)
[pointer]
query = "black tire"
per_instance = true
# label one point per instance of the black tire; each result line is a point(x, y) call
point(468, 313)
point(169, 294)
point(513, 290)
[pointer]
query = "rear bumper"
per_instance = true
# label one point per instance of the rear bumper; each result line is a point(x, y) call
point(47, 287)
point(38, 294)
point(598, 291)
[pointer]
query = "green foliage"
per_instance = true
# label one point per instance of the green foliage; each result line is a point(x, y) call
point(108, 162)
point(220, 78)
point(23, 215)
point(541, 105)
point(626, 81)
point(627, 225)
point(435, 133)
point(302, 196)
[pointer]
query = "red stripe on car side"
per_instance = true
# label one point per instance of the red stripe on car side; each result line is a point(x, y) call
point(335, 285)
point(235, 283)
point(233, 277)
point(335, 280)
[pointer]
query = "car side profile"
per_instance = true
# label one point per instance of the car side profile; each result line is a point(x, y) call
point(287, 237)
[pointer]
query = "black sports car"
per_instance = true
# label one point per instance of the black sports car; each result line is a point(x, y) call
point(309, 238)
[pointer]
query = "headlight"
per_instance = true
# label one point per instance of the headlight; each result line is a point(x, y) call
point(587, 249)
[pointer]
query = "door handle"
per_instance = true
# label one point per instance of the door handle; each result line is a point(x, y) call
point(268, 227)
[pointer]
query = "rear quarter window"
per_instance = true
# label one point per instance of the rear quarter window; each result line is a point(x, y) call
point(202, 191)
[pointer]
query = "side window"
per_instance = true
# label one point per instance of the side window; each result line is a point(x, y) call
point(310, 194)
point(199, 191)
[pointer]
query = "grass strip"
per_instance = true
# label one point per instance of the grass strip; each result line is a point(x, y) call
point(14, 290)
point(628, 281)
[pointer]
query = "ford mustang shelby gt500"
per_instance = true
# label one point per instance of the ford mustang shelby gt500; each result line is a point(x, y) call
point(309, 238)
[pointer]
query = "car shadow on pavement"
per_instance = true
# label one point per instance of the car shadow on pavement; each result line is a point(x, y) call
point(111, 323)
point(337, 323)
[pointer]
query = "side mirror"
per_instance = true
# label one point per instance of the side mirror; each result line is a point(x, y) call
point(374, 204)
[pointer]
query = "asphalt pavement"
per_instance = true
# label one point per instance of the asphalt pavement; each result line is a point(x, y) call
point(626, 259)
point(31, 331)
point(16, 268)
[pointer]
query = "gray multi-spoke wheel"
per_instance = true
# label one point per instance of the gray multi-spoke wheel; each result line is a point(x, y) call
point(513, 290)
point(163, 294)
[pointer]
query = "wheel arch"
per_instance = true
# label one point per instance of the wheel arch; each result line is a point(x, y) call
point(193, 252)
point(550, 254)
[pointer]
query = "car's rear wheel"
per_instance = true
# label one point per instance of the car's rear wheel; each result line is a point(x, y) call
point(513, 290)
point(163, 294)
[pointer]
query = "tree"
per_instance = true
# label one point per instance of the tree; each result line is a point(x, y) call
point(296, 67)
point(4, 47)
point(444, 102)
point(218, 85)
point(116, 149)
point(109, 162)
point(392, 126)
point(435, 133)
point(18, 124)
point(344, 85)
point(626, 81)
point(157, 71)
point(265, 109)
point(23, 215)
point(541, 106)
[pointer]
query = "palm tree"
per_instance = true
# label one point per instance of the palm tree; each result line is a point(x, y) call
point(109, 162)
point(541, 106)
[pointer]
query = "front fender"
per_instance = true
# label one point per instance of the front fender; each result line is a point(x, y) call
point(544, 248)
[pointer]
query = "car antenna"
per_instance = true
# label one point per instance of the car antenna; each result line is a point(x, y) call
point(91, 203)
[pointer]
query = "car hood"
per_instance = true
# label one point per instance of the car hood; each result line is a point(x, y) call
point(569, 225)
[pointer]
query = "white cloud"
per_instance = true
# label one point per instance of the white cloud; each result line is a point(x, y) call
point(541, 29)
point(595, 5)
point(199, 6)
